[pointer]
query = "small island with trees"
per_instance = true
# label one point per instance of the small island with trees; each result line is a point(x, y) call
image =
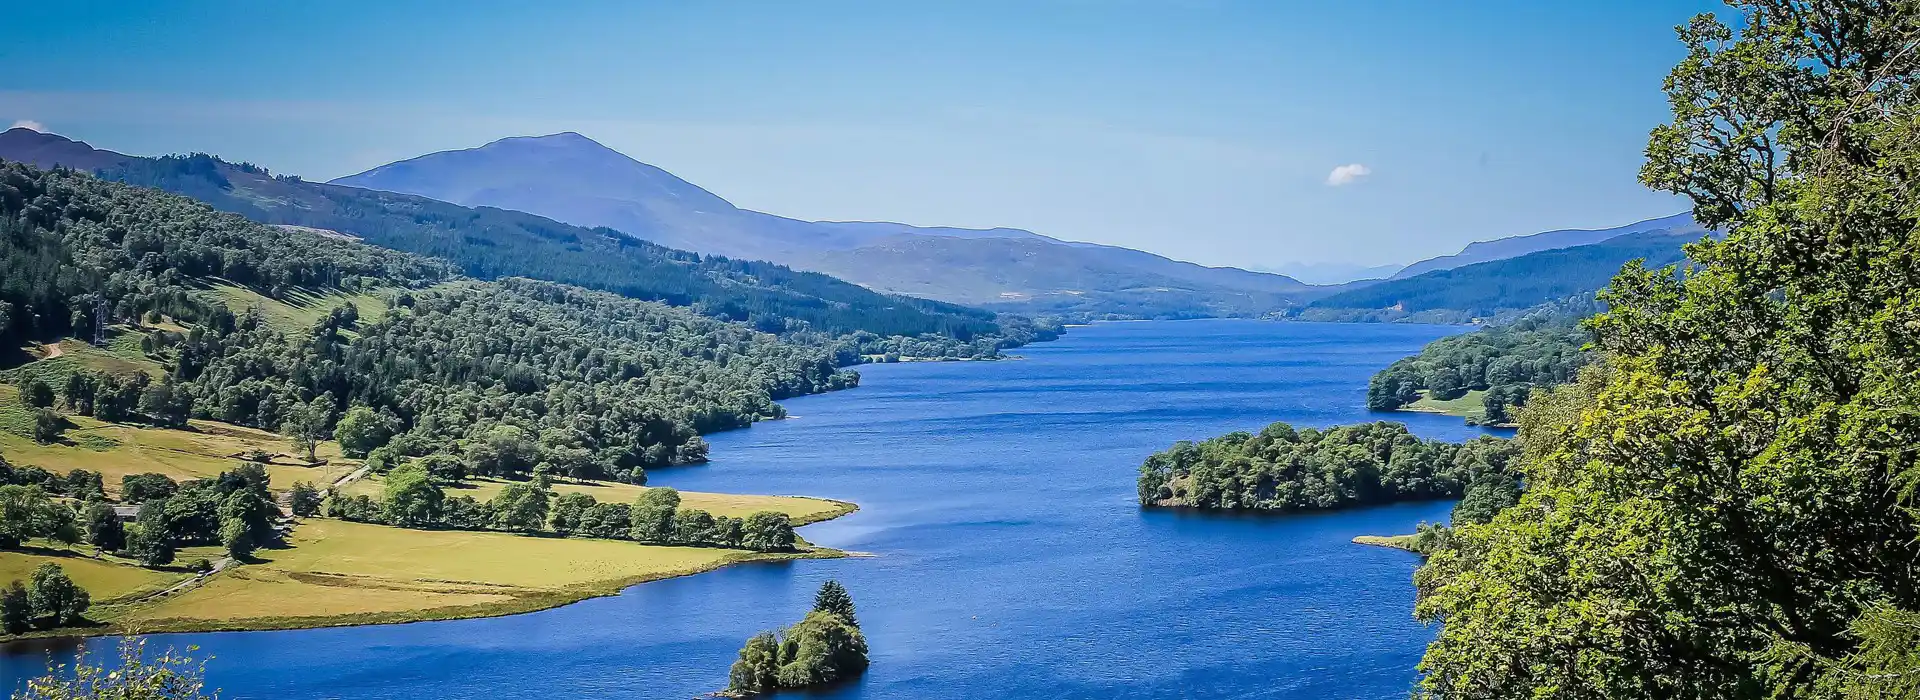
point(1285, 469)
point(824, 648)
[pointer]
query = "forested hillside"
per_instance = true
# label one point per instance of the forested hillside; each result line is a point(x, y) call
point(488, 243)
point(524, 372)
point(1486, 289)
point(1504, 362)
point(1724, 506)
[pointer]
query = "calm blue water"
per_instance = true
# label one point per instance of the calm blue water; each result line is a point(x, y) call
point(1011, 558)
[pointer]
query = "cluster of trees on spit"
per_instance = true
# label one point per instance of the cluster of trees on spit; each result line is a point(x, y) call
point(1545, 348)
point(414, 496)
point(1286, 469)
point(823, 648)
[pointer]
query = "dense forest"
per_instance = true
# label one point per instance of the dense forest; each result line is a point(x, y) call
point(1723, 504)
point(1507, 362)
point(1286, 469)
point(1484, 290)
point(589, 383)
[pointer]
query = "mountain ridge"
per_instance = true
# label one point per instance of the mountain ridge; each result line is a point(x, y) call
point(572, 178)
point(1515, 246)
point(489, 243)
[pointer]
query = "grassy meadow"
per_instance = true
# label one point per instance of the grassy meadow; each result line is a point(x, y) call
point(334, 572)
point(1467, 405)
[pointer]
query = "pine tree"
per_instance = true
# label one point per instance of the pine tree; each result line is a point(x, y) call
point(834, 600)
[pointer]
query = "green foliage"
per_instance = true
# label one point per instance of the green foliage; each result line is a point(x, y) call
point(35, 393)
point(169, 676)
point(362, 430)
point(306, 424)
point(140, 488)
point(148, 541)
point(520, 508)
point(237, 539)
point(1489, 494)
point(825, 647)
point(832, 598)
point(55, 598)
point(1541, 349)
point(412, 499)
point(768, 531)
point(1286, 469)
point(16, 610)
point(27, 512)
point(569, 512)
point(103, 528)
point(48, 425)
point(303, 499)
point(1727, 511)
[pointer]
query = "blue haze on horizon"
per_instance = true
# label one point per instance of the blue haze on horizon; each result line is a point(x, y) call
point(1205, 130)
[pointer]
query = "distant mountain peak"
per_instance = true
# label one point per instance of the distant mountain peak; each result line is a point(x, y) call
point(571, 139)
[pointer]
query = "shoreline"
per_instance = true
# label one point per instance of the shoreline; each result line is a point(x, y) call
point(1443, 412)
point(1403, 543)
point(533, 602)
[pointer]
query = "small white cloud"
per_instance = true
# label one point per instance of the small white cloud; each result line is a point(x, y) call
point(30, 124)
point(1347, 174)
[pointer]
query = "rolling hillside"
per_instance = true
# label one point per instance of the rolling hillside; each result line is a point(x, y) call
point(1515, 246)
point(489, 243)
point(1484, 289)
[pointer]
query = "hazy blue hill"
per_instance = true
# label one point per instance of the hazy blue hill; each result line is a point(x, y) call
point(1515, 246)
point(1485, 289)
point(487, 242)
point(1043, 276)
point(571, 178)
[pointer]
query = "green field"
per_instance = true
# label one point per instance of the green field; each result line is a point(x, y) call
point(118, 449)
point(1467, 405)
point(1401, 542)
point(105, 580)
point(302, 308)
point(339, 573)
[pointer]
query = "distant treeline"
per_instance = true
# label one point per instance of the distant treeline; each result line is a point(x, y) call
point(1286, 469)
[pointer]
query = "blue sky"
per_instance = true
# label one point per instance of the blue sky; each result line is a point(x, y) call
point(1205, 130)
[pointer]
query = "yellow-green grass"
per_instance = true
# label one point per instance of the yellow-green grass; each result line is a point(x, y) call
point(120, 356)
point(117, 449)
point(1466, 405)
point(340, 573)
point(801, 509)
point(1403, 542)
point(104, 580)
point(302, 308)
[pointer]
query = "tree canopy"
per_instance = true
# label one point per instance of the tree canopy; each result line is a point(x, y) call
point(1287, 469)
point(1722, 507)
